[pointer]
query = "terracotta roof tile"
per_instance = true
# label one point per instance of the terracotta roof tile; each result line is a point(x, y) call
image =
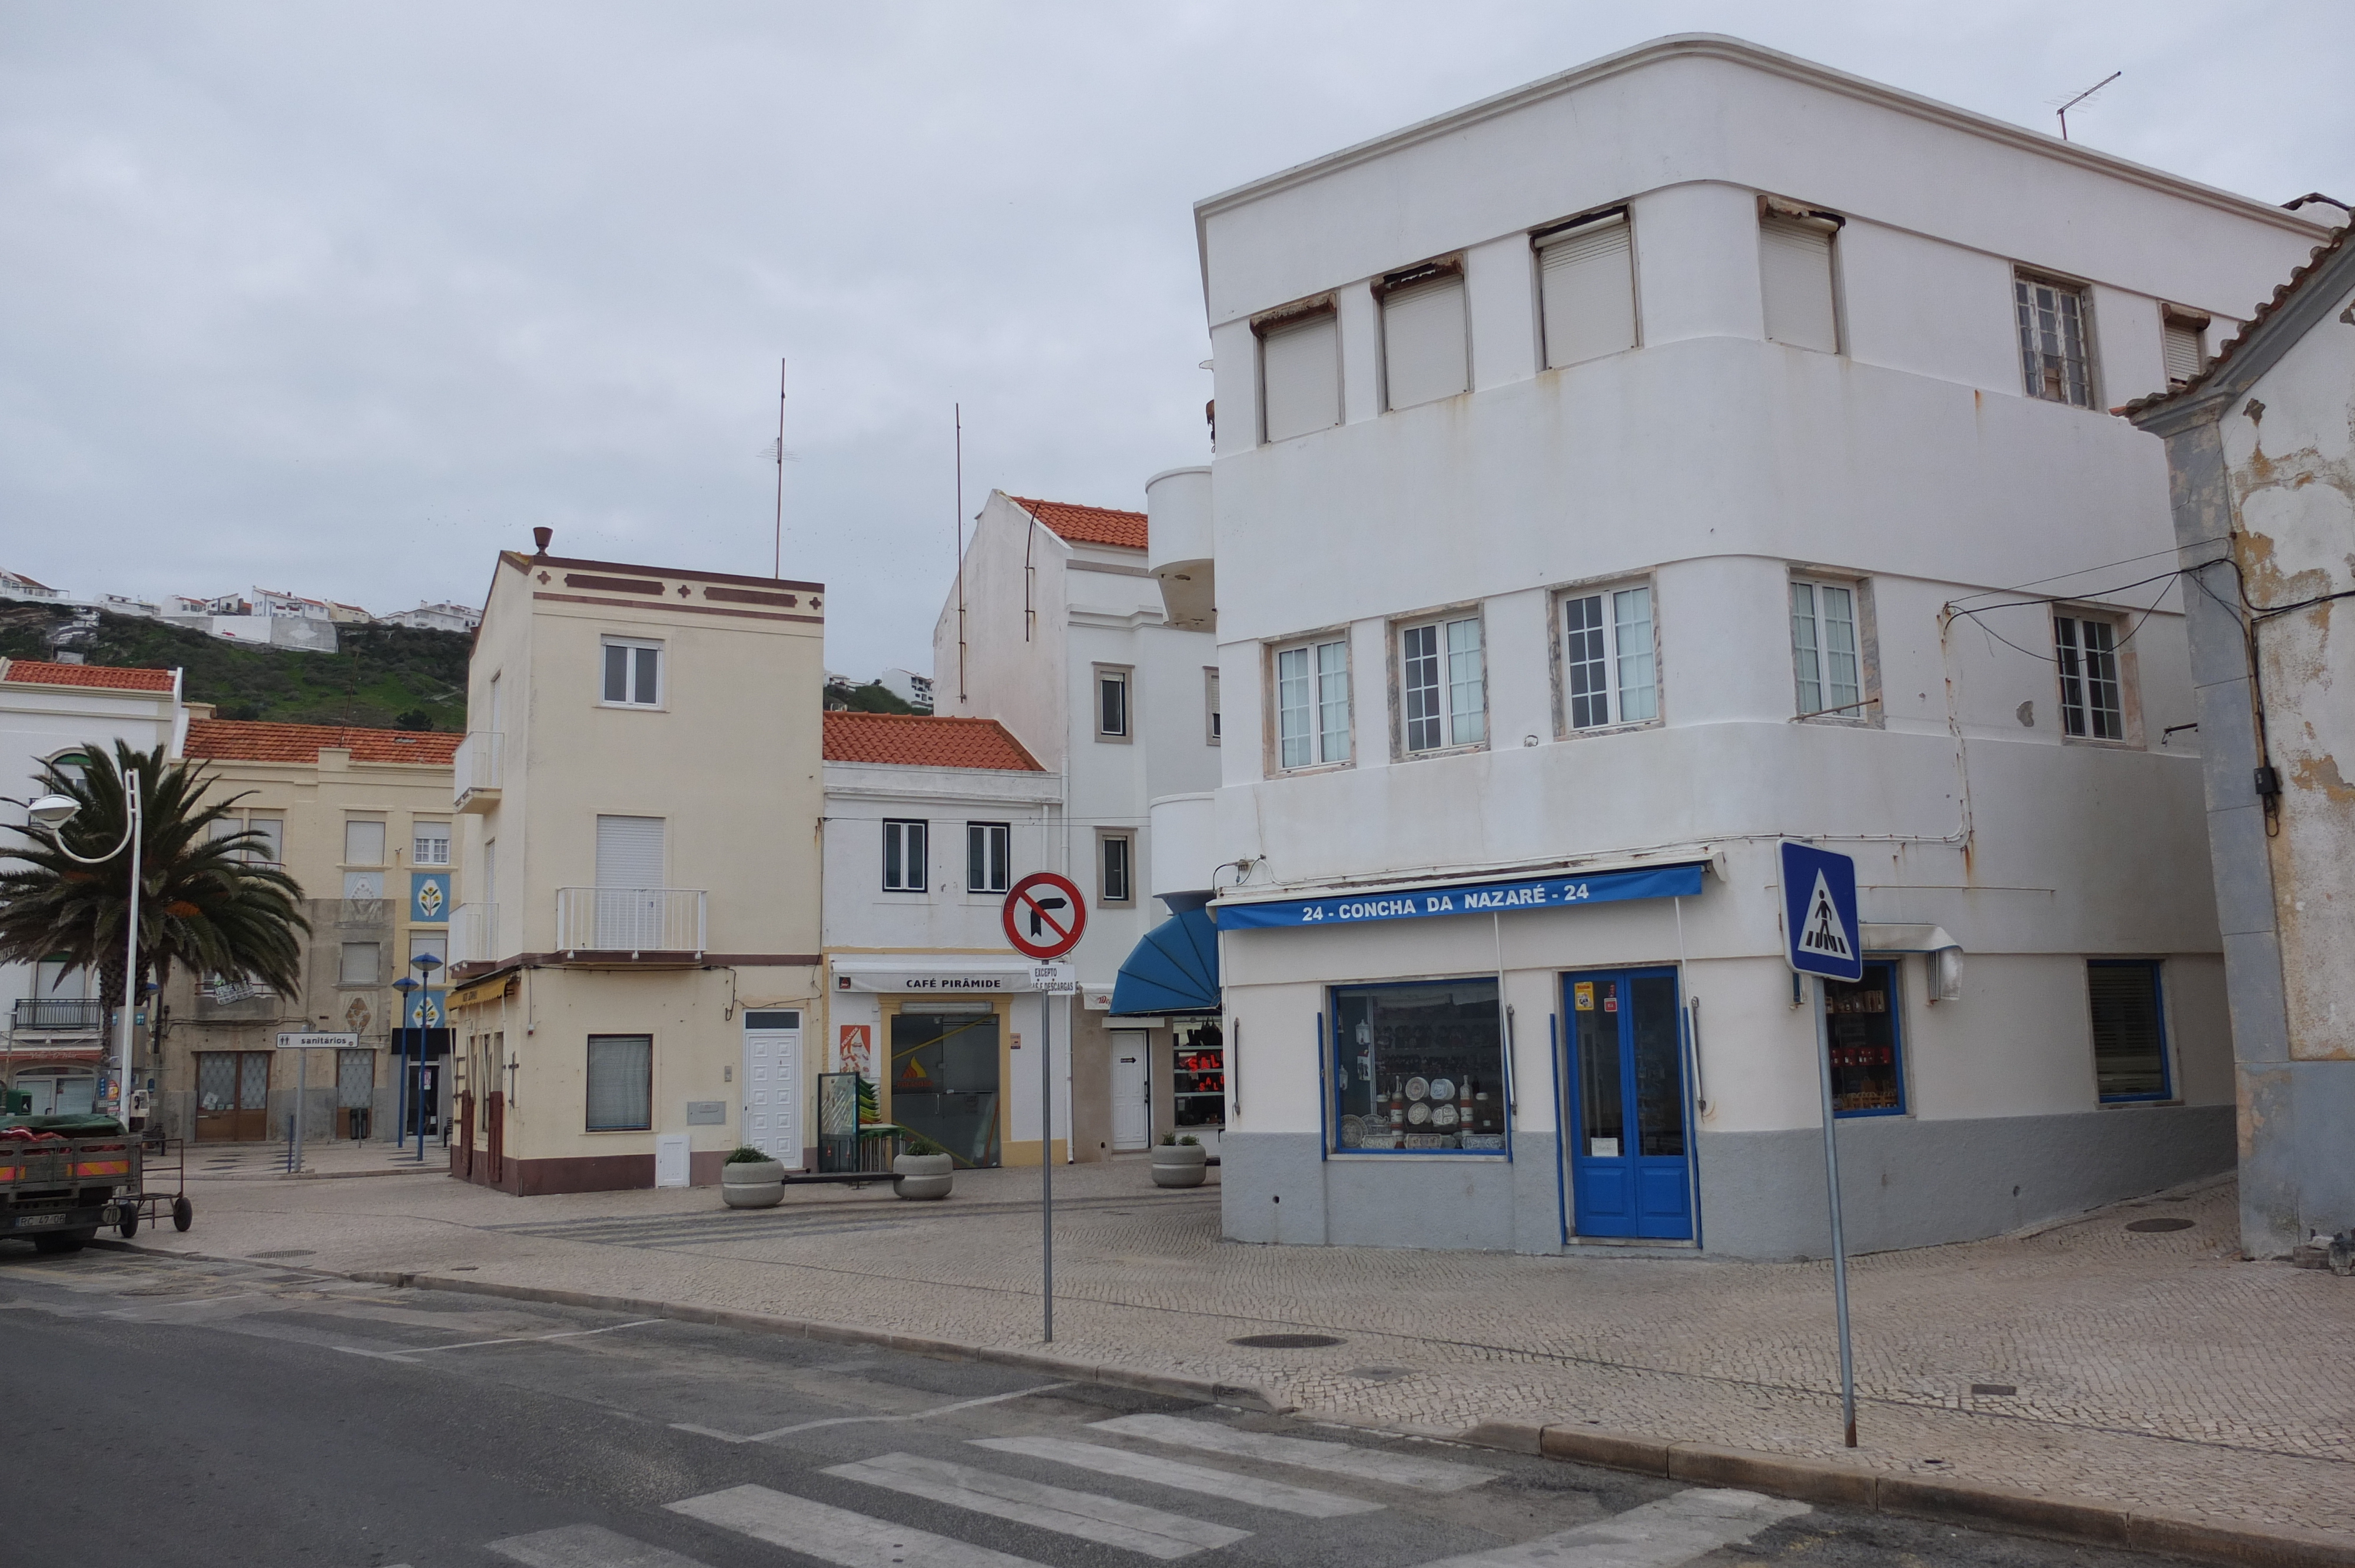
point(33, 671)
point(1087, 524)
point(249, 740)
point(922, 740)
point(2232, 344)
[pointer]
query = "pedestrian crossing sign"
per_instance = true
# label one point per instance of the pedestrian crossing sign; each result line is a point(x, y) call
point(1820, 933)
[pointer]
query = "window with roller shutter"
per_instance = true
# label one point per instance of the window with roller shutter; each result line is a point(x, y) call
point(1795, 278)
point(1586, 289)
point(1425, 354)
point(1300, 375)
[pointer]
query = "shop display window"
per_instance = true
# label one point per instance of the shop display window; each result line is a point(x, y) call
point(1200, 1058)
point(1418, 1068)
point(1868, 1053)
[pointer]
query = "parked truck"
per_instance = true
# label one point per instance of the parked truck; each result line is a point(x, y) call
point(62, 1177)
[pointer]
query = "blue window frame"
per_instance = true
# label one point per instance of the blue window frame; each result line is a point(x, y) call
point(1865, 1022)
point(1413, 1061)
point(2129, 1013)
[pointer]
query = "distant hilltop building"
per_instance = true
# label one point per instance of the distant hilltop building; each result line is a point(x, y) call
point(15, 584)
point(435, 618)
point(261, 617)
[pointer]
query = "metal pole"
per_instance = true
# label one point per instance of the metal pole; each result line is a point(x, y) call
point(420, 1096)
point(302, 1093)
point(1047, 1154)
point(1831, 1177)
point(131, 778)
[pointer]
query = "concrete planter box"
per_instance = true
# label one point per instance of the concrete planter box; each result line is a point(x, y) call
point(752, 1184)
point(1179, 1164)
point(923, 1175)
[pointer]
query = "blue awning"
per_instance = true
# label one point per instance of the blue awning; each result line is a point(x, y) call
point(1454, 899)
point(1174, 969)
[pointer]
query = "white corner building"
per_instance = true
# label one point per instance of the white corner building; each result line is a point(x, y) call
point(1689, 451)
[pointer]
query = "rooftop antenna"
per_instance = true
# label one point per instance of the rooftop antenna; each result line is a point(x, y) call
point(958, 413)
point(775, 453)
point(2071, 103)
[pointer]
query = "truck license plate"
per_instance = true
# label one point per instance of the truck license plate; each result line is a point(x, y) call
point(27, 1221)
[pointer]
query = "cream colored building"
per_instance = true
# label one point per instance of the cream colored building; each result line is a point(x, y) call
point(361, 818)
point(639, 795)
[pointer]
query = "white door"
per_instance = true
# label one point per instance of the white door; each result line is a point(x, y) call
point(1132, 1114)
point(629, 870)
point(773, 1076)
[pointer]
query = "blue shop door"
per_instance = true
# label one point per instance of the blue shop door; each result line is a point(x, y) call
point(1626, 1111)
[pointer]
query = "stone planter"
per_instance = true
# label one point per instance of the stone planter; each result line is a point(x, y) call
point(752, 1184)
point(1179, 1164)
point(923, 1175)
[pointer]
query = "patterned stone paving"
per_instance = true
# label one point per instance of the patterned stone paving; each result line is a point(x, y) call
point(2149, 1368)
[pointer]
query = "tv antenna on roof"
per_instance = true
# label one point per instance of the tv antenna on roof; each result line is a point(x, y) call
point(776, 452)
point(2063, 108)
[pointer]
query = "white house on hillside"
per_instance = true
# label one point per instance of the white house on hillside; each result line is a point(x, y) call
point(1695, 450)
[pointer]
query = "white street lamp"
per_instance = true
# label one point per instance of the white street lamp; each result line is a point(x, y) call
point(53, 812)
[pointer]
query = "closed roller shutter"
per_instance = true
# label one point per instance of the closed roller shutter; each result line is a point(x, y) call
point(1796, 275)
point(1300, 371)
point(1586, 286)
point(1423, 351)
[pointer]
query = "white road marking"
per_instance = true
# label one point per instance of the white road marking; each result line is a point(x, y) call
point(1663, 1534)
point(479, 1344)
point(835, 1535)
point(1407, 1470)
point(586, 1546)
point(1163, 1472)
point(854, 1420)
point(1167, 1536)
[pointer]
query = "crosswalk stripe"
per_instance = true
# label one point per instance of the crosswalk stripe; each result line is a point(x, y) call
point(1083, 1514)
point(1409, 1470)
point(1663, 1534)
point(1164, 1472)
point(835, 1535)
point(586, 1546)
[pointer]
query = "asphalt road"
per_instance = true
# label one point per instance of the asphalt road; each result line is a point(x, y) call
point(175, 1413)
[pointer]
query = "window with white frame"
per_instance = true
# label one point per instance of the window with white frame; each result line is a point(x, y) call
point(904, 856)
point(633, 673)
point(1300, 375)
point(1443, 686)
point(429, 843)
point(2093, 697)
point(1795, 273)
point(1312, 703)
point(1113, 716)
point(1825, 649)
point(1115, 864)
point(2055, 358)
point(1213, 720)
point(1586, 289)
point(1609, 665)
point(1425, 352)
point(620, 1082)
point(986, 856)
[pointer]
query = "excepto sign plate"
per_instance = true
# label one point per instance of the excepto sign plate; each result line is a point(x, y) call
point(1422, 903)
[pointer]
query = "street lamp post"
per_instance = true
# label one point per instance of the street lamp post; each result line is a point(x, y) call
point(404, 985)
point(53, 812)
point(425, 964)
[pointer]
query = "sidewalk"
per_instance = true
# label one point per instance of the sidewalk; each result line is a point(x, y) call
point(2141, 1370)
point(321, 1157)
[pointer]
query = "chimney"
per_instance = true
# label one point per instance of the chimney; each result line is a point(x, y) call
point(540, 537)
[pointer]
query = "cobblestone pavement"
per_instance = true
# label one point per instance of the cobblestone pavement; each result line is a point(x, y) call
point(2145, 1368)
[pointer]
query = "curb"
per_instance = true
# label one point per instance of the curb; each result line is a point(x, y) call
point(1950, 1502)
point(1176, 1385)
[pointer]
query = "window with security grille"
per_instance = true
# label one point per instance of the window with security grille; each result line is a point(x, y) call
point(2054, 356)
point(1823, 651)
point(1312, 703)
point(621, 1087)
point(2129, 1028)
point(2093, 699)
point(1610, 670)
point(1442, 684)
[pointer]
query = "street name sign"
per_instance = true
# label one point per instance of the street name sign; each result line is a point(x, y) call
point(1820, 934)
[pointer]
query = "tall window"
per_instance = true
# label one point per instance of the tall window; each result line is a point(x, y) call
point(1312, 708)
point(2093, 702)
point(903, 857)
point(1112, 703)
point(2129, 1029)
point(1823, 651)
point(1213, 724)
point(1586, 289)
point(361, 961)
point(2053, 356)
point(1114, 852)
point(1424, 353)
point(2185, 337)
point(1609, 670)
point(985, 856)
point(1794, 274)
point(363, 840)
point(1446, 699)
point(1300, 375)
point(1866, 1044)
point(429, 843)
point(633, 673)
point(620, 1082)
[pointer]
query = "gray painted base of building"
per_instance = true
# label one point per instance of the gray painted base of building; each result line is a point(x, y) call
point(2298, 1161)
point(1903, 1183)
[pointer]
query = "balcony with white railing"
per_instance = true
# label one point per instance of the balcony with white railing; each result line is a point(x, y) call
point(479, 769)
point(641, 922)
point(59, 1015)
point(474, 935)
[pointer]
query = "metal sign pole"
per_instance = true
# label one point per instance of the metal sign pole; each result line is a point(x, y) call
point(1046, 1155)
point(1831, 1179)
point(302, 1093)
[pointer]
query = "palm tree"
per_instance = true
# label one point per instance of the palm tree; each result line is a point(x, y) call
point(203, 904)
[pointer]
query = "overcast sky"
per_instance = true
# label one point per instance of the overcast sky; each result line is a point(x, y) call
point(342, 298)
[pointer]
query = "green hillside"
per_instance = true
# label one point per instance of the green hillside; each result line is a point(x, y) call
point(386, 677)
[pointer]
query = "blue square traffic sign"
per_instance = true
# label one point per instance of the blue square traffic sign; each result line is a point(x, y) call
point(1820, 934)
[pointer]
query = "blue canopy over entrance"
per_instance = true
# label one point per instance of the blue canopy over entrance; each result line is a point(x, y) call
point(1175, 968)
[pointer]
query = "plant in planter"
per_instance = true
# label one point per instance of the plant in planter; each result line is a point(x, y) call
point(751, 1179)
point(923, 1168)
point(1179, 1162)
